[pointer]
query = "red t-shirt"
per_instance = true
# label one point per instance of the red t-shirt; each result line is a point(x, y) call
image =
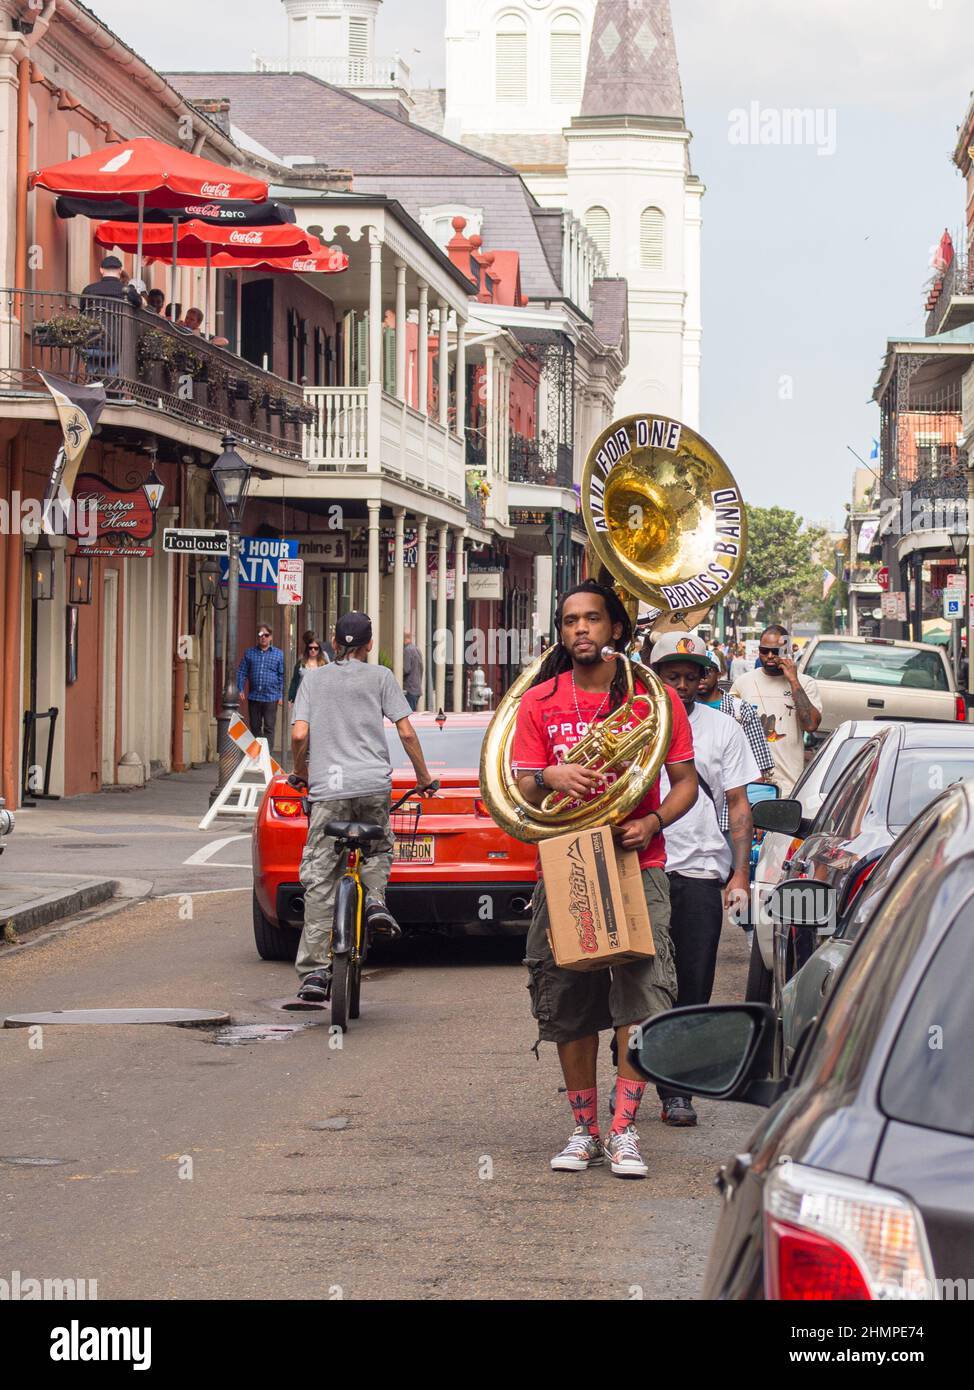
point(548, 728)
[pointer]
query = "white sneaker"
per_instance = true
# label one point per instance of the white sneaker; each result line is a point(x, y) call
point(623, 1150)
point(582, 1151)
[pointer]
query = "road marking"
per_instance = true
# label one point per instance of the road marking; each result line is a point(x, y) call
point(205, 854)
point(203, 892)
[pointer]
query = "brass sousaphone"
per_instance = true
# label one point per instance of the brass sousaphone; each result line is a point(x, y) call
point(666, 522)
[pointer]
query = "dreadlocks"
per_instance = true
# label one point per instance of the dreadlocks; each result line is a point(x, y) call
point(559, 661)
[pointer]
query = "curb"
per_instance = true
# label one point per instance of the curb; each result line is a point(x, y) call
point(55, 907)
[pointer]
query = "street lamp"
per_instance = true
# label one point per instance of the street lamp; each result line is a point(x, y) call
point(42, 569)
point(209, 577)
point(231, 478)
point(79, 578)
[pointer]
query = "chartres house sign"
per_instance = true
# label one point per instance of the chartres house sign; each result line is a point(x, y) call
point(125, 520)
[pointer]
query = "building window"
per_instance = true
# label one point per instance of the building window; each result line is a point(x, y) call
point(652, 225)
point(597, 225)
point(511, 59)
point(358, 50)
point(437, 222)
point(566, 59)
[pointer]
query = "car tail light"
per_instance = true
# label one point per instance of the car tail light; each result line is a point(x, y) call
point(830, 1237)
point(858, 882)
point(961, 709)
point(287, 806)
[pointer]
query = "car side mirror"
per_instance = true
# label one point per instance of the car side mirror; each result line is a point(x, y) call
point(719, 1051)
point(785, 816)
point(804, 902)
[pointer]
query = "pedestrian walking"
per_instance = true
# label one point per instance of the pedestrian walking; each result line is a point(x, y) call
point(339, 744)
point(739, 662)
point(412, 671)
point(575, 688)
point(706, 874)
point(312, 658)
point(262, 670)
point(789, 705)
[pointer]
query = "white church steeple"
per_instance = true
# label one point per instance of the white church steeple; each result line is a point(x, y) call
point(335, 41)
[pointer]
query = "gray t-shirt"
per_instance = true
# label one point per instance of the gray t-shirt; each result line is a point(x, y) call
point(412, 670)
point(344, 704)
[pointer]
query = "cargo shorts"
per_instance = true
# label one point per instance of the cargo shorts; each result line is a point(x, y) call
point(572, 1004)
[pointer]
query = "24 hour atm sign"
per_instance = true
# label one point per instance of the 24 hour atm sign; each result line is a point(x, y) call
point(260, 558)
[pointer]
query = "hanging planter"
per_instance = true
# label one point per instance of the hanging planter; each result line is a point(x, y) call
point(68, 331)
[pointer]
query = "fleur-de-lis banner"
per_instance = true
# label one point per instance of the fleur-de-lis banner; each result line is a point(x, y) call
point(78, 409)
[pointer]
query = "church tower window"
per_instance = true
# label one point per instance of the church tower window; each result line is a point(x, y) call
point(598, 226)
point(511, 59)
point(652, 225)
point(566, 58)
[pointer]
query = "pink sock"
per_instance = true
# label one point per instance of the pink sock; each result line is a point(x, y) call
point(585, 1108)
point(628, 1095)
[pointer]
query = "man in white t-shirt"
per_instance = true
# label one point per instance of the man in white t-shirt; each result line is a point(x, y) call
point(706, 874)
point(789, 705)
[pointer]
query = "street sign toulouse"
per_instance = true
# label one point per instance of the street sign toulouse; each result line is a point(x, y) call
point(186, 541)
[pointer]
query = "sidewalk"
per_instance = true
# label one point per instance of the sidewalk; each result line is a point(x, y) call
point(65, 857)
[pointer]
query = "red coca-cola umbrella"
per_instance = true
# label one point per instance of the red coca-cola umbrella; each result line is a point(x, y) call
point(197, 242)
point(193, 239)
point(147, 173)
point(324, 261)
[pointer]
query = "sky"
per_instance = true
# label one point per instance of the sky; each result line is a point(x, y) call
point(814, 252)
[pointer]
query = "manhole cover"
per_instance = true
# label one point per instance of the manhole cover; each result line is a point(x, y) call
point(185, 1018)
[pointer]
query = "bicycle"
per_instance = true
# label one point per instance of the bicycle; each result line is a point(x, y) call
point(351, 935)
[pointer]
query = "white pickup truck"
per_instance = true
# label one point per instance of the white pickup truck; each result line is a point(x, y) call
point(880, 678)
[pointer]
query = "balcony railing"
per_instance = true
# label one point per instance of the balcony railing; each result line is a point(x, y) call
point(958, 280)
point(141, 357)
point(532, 462)
point(344, 72)
point(362, 429)
point(476, 508)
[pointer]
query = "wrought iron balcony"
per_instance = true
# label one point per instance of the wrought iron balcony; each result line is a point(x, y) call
point(141, 357)
point(957, 283)
point(540, 461)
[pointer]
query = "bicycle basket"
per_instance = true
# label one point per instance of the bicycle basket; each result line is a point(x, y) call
point(404, 824)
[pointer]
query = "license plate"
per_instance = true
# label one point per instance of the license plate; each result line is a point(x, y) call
point(420, 851)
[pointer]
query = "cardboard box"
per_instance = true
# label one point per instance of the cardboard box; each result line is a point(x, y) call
point(597, 914)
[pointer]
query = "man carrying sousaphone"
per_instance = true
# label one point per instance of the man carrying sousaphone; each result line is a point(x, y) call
point(575, 688)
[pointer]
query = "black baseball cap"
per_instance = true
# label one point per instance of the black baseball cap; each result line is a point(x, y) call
point(354, 630)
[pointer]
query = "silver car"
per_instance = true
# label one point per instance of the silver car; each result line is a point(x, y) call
point(811, 789)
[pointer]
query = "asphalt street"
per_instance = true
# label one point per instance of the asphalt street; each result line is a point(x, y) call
point(412, 1162)
point(149, 837)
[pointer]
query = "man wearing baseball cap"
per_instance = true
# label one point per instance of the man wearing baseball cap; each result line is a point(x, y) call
point(705, 874)
point(339, 744)
point(110, 287)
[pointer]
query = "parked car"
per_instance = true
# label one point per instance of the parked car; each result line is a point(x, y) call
point(870, 677)
point(888, 782)
point(469, 877)
point(811, 789)
point(856, 1182)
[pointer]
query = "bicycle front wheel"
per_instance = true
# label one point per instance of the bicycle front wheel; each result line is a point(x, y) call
point(354, 988)
point(343, 970)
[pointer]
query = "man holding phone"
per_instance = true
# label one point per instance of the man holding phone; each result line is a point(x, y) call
point(789, 705)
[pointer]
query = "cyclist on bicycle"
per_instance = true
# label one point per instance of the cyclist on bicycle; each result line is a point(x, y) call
point(339, 745)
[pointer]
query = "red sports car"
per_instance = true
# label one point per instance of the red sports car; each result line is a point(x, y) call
point(464, 876)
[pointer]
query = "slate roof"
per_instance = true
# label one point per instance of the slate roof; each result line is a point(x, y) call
point(610, 312)
point(529, 151)
point(429, 105)
point(293, 113)
point(632, 63)
point(297, 114)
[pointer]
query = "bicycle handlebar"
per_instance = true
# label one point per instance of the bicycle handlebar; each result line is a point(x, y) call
point(413, 791)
